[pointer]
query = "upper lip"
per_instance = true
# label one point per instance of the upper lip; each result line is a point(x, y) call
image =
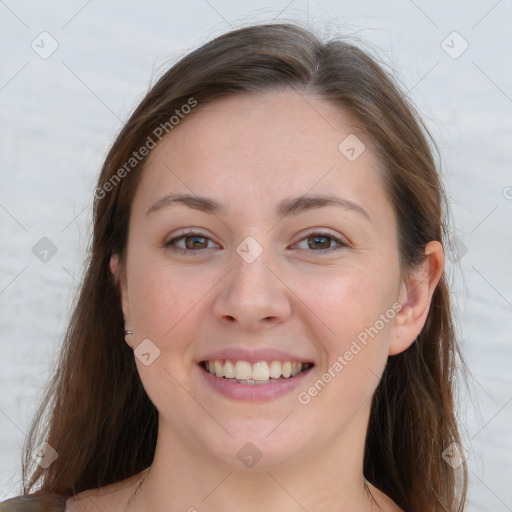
point(253, 356)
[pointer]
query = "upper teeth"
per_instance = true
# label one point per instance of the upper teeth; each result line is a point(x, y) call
point(243, 370)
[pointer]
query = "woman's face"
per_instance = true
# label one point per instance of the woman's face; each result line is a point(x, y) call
point(268, 276)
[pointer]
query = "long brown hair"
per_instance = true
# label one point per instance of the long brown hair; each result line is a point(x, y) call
point(96, 414)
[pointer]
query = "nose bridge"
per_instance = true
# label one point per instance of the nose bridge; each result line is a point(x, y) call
point(252, 294)
point(252, 278)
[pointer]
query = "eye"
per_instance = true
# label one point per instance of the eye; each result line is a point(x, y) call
point(190, 243)
point(320, 241)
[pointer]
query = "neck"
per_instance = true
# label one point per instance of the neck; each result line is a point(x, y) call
point(325, 477)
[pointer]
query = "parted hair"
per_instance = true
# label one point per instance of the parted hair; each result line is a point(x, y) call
point(96, 413)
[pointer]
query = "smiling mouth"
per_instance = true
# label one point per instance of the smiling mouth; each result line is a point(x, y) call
point(261, 372)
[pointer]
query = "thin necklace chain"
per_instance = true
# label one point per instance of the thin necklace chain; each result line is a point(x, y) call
point(146, 471)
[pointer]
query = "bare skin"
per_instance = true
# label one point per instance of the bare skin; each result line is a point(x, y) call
point(250, 153)
point(116, 497)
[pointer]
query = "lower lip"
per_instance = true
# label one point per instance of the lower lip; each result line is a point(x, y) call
point(274, 389)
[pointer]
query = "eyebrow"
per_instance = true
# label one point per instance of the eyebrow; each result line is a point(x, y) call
point(285, 208)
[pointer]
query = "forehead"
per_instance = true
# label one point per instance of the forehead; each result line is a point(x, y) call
point(258, 149)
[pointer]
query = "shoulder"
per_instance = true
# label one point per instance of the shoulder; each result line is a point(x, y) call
point(35, 503)
point(111, 497)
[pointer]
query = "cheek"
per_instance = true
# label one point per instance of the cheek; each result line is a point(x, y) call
point(164, 302)
point(350, 303)
point(348, 299)
point(161, 298)
point(353, 304)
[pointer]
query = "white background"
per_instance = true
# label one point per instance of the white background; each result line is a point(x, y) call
point(59, 115)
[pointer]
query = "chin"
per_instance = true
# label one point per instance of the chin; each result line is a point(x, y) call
point(255, 448)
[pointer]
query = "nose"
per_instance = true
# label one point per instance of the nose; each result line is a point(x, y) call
point(252, 296)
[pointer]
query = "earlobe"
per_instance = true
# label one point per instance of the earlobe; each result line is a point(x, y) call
point(416, 297)
point(114, 263)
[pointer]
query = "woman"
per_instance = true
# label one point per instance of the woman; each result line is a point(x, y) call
point(265, 305)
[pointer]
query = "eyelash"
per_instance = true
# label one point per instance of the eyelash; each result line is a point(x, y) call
point(171, 244)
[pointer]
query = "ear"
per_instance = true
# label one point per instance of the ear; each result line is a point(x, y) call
point(120, 279)
point(415, 297)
